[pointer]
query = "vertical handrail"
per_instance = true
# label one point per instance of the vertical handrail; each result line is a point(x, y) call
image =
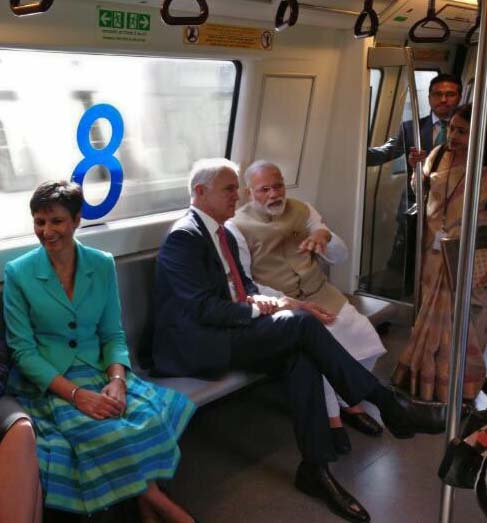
point(408, 52)
point(466, 255)
point(469, 36)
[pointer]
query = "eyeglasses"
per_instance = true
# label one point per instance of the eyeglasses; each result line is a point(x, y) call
point(443, 94)
point(265, 189)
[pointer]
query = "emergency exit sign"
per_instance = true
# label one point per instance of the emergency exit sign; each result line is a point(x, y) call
point(119, 25)
point(110, 19)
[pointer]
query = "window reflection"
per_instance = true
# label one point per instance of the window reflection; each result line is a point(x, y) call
point(174, 111)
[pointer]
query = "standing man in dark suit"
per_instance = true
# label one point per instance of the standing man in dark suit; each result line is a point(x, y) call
point(445, 91)
point(210, 319)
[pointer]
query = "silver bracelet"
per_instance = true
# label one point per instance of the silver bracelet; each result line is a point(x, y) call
point(73, 396)
point(118, 377)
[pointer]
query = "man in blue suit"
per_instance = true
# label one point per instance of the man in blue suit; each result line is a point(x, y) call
point(445, 91)
point(210, 319)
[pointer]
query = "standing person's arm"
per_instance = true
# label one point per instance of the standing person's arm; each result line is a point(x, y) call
point(392, 149)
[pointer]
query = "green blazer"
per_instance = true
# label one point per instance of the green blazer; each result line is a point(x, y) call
point(46, 331)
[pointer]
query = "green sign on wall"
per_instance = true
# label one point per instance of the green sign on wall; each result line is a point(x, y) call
point(117, 25)
point(110, 19)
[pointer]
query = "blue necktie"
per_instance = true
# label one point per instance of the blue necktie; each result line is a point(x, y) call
point(441, 136)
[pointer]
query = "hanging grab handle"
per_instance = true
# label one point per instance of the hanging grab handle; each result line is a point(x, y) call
point(471, 31)
point(280, 23)
point(30, 9)
point(430, 17)
point(367, 12)
point(184, 20)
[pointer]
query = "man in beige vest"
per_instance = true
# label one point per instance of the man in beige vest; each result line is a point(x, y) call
point(280, 242)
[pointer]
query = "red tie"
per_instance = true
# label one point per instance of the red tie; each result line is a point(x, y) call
point(234, 274)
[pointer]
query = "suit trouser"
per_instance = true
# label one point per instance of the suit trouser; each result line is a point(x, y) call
point(299, 337)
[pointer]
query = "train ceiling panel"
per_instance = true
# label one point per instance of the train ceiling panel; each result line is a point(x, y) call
point(395, 16)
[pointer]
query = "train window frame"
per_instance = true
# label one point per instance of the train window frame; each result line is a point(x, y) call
point(434, 70)
point(130, 234)
point(373, 106)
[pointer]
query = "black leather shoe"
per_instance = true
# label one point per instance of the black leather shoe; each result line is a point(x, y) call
point(317, 481)
point(396, 419)
point(362, 422)
point(341, 441)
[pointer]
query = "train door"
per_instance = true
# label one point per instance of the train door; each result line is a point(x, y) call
point(388, 246)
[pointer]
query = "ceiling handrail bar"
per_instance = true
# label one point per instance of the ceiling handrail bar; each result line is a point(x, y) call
point(471, 31)
point(31, 8)
point(368, 12)
point(430, 17)
point(169, 19)
point(280, 22)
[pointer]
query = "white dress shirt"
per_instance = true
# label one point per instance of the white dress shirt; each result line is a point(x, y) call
point(212, 226)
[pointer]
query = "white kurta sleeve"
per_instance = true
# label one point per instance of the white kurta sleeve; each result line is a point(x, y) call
point(336, 250)
point(246, 260)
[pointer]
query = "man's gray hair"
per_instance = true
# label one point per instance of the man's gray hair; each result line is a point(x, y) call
point(255, 167)
point(204, 171)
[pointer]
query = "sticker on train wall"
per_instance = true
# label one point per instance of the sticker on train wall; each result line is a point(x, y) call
point(228, 36)
point(120, 25)
point(104, 157)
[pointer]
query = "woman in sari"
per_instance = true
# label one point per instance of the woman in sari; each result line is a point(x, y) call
point(423, 367)
point(103, 435)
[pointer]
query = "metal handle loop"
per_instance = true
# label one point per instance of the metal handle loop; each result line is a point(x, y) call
point(280, 23)
point(475, 27)
point(367, 12)
point(30, 9)
point(184, 20)
point(430, 17)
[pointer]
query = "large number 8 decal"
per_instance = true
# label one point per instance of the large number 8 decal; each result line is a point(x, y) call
point(104, 157)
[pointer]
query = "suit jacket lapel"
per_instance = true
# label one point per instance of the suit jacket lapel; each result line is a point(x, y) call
point(46, 273)
point(427, 134)
point(83, 278)
point(201, 227)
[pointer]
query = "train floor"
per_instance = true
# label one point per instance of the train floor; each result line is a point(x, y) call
point(239, 460)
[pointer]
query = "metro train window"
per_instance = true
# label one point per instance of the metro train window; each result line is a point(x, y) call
point(423, 78)
point(375, 82)
point(175, 111)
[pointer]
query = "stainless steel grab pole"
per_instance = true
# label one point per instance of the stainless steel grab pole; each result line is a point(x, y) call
point(467, 253)
point(408, 52)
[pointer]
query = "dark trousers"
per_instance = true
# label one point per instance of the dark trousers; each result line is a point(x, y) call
point(299, 338)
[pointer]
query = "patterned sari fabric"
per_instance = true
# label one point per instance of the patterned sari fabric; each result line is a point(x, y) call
point(424, 365)
point(87, 465)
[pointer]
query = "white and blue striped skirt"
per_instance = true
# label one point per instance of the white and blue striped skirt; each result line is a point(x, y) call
point(86, 465)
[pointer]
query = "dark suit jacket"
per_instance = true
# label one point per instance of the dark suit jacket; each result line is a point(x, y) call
point(194, 310)
point(400, 144)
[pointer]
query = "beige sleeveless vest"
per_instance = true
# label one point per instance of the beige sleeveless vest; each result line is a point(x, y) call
point(273, 242)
